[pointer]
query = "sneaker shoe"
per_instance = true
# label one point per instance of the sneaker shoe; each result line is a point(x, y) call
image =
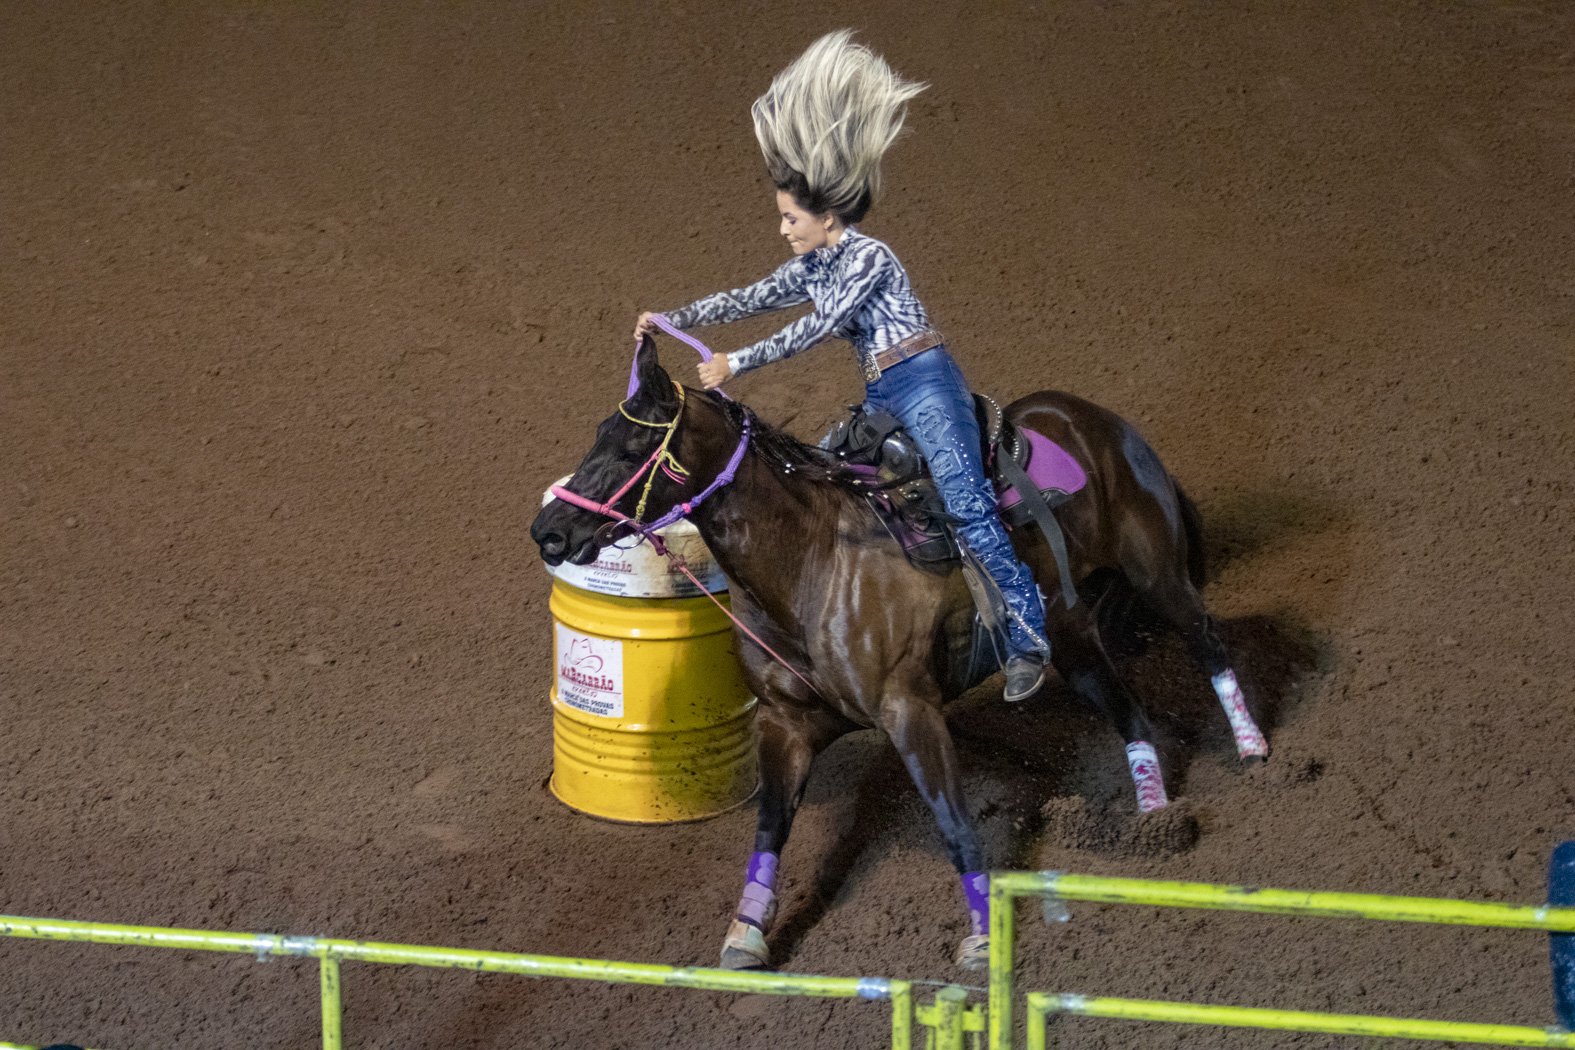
point(1025, 673)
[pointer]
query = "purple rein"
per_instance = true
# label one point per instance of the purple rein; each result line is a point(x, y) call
point(667, 326)
point(648, 530)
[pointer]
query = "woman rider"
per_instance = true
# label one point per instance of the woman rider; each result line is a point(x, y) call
point(823, 126)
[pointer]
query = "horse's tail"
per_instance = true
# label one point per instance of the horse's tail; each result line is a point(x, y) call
point(1192, 523)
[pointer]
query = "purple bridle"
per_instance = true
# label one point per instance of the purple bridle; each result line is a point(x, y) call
point(648, 530)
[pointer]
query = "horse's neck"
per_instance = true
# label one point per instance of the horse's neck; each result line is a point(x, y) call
point(764, 530)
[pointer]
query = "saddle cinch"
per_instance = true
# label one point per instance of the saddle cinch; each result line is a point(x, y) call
point(1031, 475)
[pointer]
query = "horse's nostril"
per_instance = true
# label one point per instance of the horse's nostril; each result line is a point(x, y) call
point(553, 545)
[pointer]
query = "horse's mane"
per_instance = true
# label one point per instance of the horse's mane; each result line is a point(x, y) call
point(790, 455)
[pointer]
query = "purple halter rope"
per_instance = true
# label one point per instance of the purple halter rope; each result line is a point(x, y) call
point(683, 509)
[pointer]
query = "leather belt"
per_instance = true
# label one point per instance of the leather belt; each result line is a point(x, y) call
point(912, 346)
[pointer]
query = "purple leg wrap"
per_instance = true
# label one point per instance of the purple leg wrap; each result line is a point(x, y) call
point(759, 889)
point(976, 890)
point(763, 869)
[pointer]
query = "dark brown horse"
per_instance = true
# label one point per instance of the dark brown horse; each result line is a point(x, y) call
point(878, 642)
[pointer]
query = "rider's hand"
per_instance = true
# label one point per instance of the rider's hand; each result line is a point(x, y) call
point(715, 372)
point(645, 326)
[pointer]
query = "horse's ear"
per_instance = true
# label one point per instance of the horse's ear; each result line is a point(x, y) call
point(655, 386)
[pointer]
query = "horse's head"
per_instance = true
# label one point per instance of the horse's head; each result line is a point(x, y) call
point(566, 532)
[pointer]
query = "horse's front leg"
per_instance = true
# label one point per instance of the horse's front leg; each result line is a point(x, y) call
point(918, 731)
point(790, 738)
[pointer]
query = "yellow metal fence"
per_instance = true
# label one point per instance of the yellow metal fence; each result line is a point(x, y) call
point(950, 1021)
point(1006, 887)
point(331, 952)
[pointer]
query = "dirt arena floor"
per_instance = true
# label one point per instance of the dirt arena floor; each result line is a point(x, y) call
point(302, 306)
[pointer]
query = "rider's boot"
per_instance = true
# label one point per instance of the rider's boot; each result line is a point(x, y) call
point(1025, 673)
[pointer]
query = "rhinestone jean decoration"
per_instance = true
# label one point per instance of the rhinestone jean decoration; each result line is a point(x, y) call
point(929, 395)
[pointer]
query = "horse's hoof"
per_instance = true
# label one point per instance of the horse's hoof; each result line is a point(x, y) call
point(1251, 748)
point(1251, 761)
point(974, 952)
point(745, 948)
point(738, 959)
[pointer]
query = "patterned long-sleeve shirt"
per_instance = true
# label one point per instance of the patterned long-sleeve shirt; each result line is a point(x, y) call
point(860, 291)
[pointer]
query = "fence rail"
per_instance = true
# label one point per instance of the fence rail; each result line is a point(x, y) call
point(1007, 886)
point(330, 952)
point(950, 1019)
point(1042, 1006)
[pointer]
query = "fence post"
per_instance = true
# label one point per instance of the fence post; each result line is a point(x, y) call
point(901, 1015)
point(950, 1002)
point(1561, 946)
point(1001, 983)
point(328, 974)
point(1039, 1007)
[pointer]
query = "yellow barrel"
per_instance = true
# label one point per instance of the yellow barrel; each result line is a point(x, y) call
point(651, 720)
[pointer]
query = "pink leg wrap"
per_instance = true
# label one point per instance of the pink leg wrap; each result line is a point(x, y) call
point(1150, 783)
point(1249, 738)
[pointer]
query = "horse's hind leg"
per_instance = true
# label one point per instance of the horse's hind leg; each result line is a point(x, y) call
point(1178, 601)
point(917, 729)
point(1080, 657)
point(790, 738)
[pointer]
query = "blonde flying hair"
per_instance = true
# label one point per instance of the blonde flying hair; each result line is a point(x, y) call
point(825, 122)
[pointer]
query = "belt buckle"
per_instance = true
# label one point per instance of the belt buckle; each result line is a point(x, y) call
point(871, 369)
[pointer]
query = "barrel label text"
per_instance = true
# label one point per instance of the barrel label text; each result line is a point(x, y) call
point(590, 672)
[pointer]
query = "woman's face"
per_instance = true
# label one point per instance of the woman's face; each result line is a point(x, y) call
point(805, 231)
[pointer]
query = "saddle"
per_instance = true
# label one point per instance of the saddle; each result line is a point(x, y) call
point(1030, 473)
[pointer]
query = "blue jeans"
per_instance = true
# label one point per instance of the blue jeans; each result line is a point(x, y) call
point(929, 395)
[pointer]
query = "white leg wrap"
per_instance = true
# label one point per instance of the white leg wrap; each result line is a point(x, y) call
point(1249, 738)
point(1150, 782)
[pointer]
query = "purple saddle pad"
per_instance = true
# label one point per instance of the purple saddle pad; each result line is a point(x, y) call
point(1049, 465)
